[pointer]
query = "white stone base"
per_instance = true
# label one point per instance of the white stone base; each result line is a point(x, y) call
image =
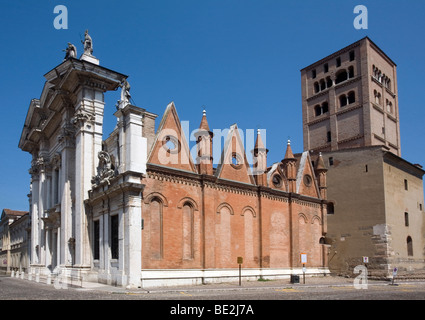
point(174, 277)
point(89, 58)
point(76, 277)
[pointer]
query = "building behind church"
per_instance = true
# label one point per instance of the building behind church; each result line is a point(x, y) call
point(376, 198)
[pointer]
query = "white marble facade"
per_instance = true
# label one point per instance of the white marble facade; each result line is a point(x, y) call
point(80, 190)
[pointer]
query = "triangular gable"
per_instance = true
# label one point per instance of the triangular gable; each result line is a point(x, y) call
point(233, 162)
point(170, 147)
point(280, 183)
point(306, 178)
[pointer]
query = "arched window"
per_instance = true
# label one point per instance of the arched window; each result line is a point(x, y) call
point(321, 109)
point(325, 107)
point(409, 246)
point(316, 87)
point(350, 72)
point(322, 85)
point(188, 234)
point(389, 106)
point(223, 234)
point(341, 76)
point(331, 208)
point(329, 82)
point(342, 100)
point(155, 222)
point(377, 97)
point(351, 97)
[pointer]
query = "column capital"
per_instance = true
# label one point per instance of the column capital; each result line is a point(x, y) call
point(81, 117)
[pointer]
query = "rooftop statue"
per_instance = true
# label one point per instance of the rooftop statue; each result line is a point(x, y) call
point(71, 51)
point(88, 43)
point(125, 95)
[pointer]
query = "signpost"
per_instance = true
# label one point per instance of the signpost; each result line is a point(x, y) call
point(303, 257)
point(240, 261)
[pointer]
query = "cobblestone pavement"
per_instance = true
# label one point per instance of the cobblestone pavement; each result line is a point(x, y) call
point(315, 288)
point(253, 299)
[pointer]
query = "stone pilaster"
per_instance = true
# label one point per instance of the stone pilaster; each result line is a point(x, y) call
point(35, 253)
point(133, 146)
point(88, 120)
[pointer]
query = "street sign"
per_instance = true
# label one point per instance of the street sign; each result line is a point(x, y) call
point(303, 257)
point(240, 260)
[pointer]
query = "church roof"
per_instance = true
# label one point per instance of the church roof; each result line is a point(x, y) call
point(12, 214)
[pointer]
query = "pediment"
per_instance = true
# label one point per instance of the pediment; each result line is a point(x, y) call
point(306, 177)
point(170, 147)
point(233, 161)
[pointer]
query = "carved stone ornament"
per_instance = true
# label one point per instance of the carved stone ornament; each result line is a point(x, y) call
point(105, 169)
point(67, 135)
point(81, 117)
point(38, 165)
point(56, 161)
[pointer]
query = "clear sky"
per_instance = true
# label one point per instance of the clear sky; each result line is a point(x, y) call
point(238, 59)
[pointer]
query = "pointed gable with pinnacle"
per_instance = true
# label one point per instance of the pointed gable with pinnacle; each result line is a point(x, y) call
point(170, 147)
point(233, 162)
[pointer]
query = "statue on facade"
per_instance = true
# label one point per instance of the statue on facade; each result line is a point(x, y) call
point(88, 43)
point(125, 94)
point(70, 51)
point(105, 169)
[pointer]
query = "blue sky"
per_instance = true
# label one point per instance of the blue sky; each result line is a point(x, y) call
point(238, 59)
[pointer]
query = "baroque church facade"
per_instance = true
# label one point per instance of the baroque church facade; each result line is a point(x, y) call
point(136, 209)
